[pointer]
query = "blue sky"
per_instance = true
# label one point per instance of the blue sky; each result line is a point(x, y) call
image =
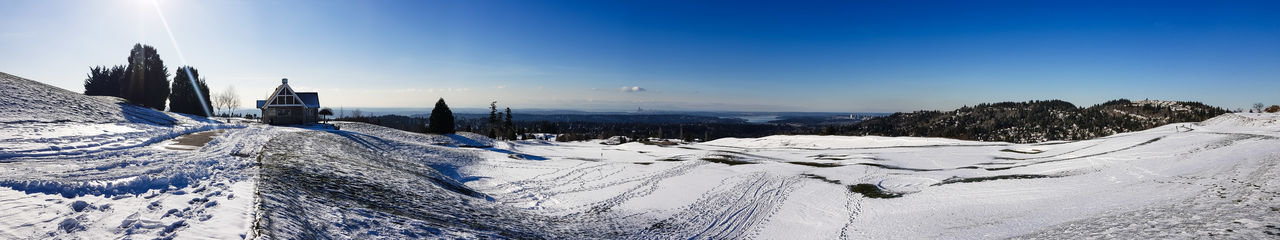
point(863, 56)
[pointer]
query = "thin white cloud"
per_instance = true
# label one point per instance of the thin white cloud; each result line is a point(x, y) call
point(14, 35)
point(632, 89)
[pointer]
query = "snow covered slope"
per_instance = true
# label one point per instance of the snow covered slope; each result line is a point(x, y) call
point(42, 120)
point(1217, 178)
point(80, 167)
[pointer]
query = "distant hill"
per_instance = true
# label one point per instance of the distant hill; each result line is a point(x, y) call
point(1034, 121)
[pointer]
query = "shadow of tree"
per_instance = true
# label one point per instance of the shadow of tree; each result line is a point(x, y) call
point(144, 115)
point(463, 141)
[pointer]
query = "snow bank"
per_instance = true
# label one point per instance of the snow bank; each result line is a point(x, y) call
point(837, 142)
point(25, 100)
point(1250, 120)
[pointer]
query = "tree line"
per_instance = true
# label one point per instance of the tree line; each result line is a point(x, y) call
point(1260, 108)
point(441, 120)
point(144, 81)
point(1033, 121)
point(1019, 122)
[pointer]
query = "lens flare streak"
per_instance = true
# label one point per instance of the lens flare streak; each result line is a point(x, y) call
point(192, 78)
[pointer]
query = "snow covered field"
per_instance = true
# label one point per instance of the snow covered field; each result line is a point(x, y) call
point(1217, 178)
point(77, 167)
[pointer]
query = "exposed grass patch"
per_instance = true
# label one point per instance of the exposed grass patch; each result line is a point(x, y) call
point(821, 178)
point(671, 160)
point(983, 179)
point(899, 168)
point(642, 163)
point(521, 156)
point(725, 159)
point(1031, 151)
point(816, 164)
point(660, 143)
point(585, 159)
point(828, 156)
point(872, 191)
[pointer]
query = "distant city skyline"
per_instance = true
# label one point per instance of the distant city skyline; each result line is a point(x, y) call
point(782, 56)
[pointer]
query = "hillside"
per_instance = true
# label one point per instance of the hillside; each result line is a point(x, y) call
point(1034, 121)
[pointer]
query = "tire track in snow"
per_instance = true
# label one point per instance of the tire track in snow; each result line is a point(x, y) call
point(646, 185)
point(730, 211)
point(536, 185)
point(1153, 140)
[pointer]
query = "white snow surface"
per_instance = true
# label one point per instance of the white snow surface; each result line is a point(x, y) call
point(76, 167)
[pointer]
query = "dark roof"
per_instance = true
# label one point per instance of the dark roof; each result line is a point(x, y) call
point(310, 99)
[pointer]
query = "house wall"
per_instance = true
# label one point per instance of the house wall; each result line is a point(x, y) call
point(289, 115)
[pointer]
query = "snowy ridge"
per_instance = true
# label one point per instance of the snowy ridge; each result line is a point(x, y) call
point(30, 101)
point(42, 120)
point(837, 142)
point(1255, 120)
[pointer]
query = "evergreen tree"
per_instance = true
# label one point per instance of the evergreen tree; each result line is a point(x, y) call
point(103, 81)
point(147, 81)
point(508, 126)
point(441, 121)
point(184, 98)
point(493, 119)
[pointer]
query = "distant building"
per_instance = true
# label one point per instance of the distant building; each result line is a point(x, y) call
point(286, 107)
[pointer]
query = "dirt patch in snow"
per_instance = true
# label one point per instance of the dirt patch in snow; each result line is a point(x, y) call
point(194, 141)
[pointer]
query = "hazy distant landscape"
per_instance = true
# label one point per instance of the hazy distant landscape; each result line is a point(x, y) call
point(639, 120)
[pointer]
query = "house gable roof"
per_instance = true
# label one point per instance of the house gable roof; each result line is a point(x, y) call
point(310, 99)
point(283, 96)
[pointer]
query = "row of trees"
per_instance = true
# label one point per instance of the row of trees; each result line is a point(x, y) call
point(1033, 121)
point(441, 120)
point(500, 126)
point(184, 98)
point(145, 82)
point(1259, 107)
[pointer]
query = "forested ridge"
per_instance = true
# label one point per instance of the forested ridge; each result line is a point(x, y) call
point(1033, 121)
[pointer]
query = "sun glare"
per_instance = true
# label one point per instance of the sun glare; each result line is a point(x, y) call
point(165, 22)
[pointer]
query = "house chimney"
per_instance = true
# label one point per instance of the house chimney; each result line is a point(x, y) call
point(284, 81)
